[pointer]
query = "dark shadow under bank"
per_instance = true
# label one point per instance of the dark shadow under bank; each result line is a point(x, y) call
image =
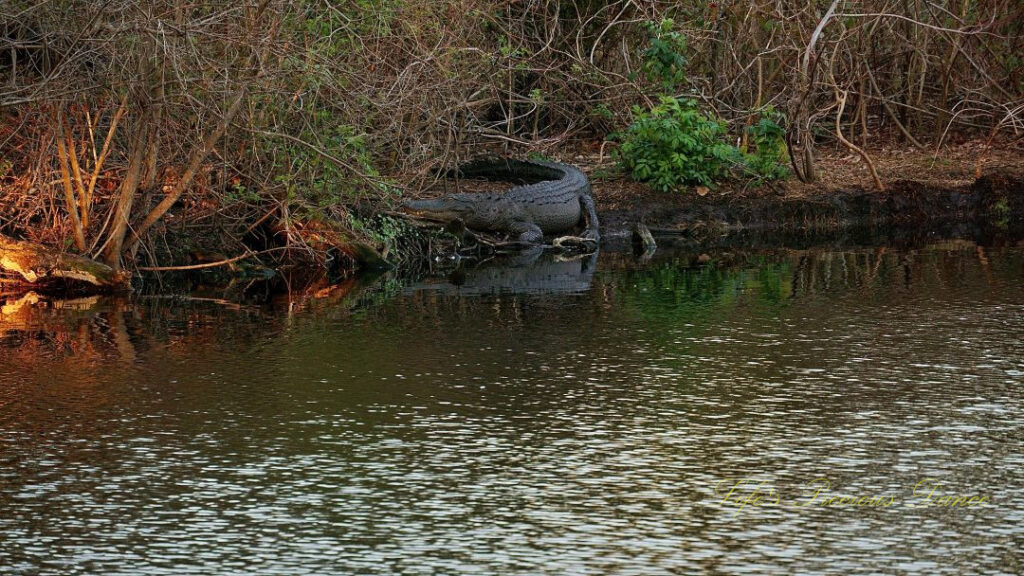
point(906, 213)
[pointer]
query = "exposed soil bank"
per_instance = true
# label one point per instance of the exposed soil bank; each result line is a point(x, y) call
point(995, 200)
point(967, 187)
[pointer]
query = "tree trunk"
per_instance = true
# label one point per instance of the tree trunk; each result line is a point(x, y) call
point(803, 98)
point(126, 198)
point(199, 154)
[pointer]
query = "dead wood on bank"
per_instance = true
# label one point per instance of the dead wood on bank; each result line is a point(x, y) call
point(36, 267)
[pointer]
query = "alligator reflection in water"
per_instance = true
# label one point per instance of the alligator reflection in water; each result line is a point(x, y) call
point(534, 271)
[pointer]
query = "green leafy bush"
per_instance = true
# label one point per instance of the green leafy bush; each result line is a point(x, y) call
point(675, 144)
point(664, 58)
point(769, 159)
point(319, 179)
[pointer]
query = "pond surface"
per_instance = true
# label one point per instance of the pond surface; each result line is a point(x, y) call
point(832, 411)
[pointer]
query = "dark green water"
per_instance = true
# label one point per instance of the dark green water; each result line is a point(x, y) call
point(556, 419)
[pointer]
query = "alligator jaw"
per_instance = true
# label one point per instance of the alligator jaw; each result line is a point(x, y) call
point(437, 210)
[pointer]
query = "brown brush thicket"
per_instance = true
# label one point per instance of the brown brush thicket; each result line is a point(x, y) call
point(129, 128)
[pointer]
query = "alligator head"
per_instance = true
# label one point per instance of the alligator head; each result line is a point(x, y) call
point(441, 209)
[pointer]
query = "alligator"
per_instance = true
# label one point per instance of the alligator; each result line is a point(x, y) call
point(554, 201)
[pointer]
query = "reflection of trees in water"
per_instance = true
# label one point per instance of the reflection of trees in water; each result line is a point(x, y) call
point(938, 266)
point(817, 272)
point(84, 340)
point(60, 354)
point(688, 285)
point(84, 334)
point(88, 330)
point(87, 357)
point(101, 330)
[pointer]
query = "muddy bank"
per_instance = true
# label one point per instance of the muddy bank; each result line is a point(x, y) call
point(993, 202)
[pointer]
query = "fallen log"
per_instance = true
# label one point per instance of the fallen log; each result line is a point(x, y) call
point(39, 268)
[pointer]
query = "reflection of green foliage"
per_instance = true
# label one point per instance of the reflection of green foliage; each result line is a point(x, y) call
point(672, 293)
point(773, 283)
point(1000, 213)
